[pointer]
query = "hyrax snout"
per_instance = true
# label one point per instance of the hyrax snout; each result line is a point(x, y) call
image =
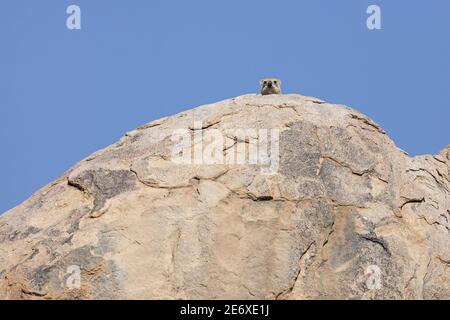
point(270, 86)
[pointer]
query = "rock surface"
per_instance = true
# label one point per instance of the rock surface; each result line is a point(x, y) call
point(346, 215)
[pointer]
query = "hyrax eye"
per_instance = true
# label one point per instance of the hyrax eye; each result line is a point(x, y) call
point(275, 81)
point(264, 82)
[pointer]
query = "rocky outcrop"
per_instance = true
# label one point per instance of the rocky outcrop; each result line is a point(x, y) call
point(330, 209)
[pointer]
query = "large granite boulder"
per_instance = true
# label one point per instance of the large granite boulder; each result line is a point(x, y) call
point(278, 197)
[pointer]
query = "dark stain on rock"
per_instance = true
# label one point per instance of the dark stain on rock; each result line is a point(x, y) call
point(106, 284)
point(101, 275)
point(81, 257)
point(53, 232)
point(19, 235)
point(54, 276)
point(103, 184)
point(40, 277)
point(300, 151)
point(75, 217)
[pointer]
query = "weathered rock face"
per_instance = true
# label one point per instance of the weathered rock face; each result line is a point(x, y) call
point(342, 214)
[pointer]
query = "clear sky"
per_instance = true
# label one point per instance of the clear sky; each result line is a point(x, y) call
point(67, 93)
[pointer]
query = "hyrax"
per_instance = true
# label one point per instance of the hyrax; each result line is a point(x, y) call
point(270, 86)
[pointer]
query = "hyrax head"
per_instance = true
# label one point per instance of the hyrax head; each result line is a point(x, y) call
point(270, 86)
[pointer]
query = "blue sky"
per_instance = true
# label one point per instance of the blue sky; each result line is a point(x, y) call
point(67, 93)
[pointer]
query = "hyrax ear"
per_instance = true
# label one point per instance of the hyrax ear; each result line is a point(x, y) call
point(279, 82)
point(261, 83)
